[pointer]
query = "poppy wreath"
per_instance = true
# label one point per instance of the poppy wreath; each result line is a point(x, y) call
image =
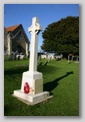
point(26, 88)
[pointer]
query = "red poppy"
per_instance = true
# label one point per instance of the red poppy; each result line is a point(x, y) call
point(26, 88)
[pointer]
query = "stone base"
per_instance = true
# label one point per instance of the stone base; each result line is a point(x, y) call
point(34, 80)
point(31, 99)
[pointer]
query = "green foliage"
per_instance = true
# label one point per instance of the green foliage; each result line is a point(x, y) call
point(62, 36)
point(63, 86)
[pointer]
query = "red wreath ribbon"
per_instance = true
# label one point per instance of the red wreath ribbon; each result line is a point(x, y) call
point(26, 88)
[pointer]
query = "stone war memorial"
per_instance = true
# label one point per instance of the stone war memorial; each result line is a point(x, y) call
point(31, 91)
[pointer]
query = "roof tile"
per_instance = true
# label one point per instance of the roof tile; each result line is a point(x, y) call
point(12, 28)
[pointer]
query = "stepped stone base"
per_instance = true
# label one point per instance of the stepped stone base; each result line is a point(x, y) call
point(31, 99)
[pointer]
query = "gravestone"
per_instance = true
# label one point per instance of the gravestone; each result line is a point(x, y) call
point(77, 59)
point(15, 56)
point(46, 63)
point(68, 59)
point(10, 58)
point(31, 91)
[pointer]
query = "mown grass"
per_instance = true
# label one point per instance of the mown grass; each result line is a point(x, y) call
point(59, 78)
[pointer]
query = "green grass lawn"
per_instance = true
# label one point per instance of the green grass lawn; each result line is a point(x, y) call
point(59, 78)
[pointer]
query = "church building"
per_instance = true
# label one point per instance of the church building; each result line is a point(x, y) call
point(15, 40)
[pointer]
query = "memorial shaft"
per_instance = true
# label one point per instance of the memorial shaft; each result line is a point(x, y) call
point(33, 52)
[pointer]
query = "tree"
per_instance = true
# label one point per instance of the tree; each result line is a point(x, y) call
point(62, 36)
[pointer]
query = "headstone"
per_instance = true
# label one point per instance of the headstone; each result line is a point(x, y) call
point(9, 57)
point(31, 91)
point(22, 56)
point(14, 56)
point(18, 58)
point(46, 63)
point(77, 59)
point(68, 59)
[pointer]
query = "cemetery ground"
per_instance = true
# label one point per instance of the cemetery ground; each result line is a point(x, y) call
point(59, 78)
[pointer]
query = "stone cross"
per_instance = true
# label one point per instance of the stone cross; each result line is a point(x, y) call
point(31, 91)
point(34, 29)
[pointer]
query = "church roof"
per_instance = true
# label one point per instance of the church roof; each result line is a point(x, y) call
point(12, 28)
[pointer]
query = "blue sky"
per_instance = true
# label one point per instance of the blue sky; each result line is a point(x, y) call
point(47, 14)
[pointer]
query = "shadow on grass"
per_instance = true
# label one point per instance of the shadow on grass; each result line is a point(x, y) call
point(16, 70)
point(47, 69)
point(21, 69)
point(53, 84)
